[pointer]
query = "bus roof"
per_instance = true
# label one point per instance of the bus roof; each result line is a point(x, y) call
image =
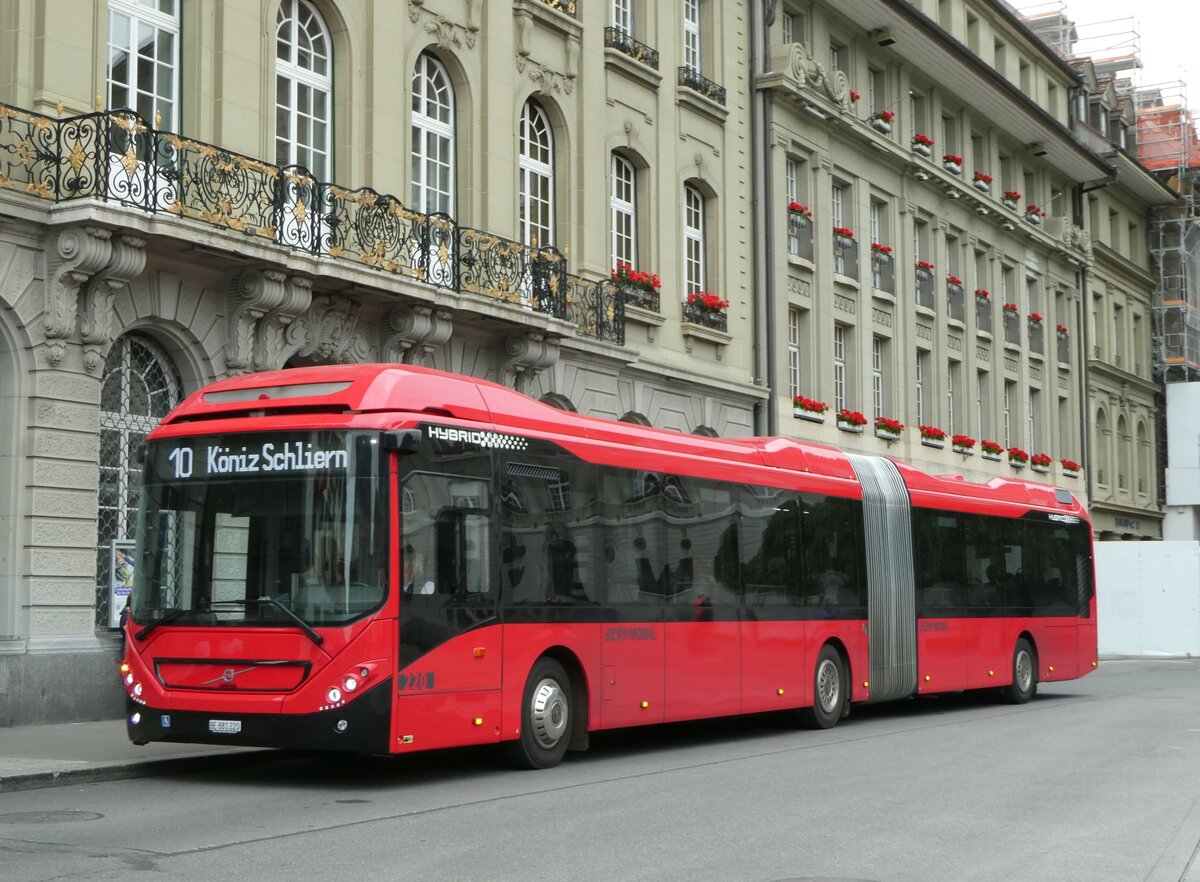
point(396, 392)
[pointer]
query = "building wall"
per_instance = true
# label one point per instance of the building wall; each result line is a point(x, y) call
point(80, 278)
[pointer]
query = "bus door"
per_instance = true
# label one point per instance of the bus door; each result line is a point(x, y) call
point(699, 580)
point(450, 652)
point(942, 625)
point(633, 641)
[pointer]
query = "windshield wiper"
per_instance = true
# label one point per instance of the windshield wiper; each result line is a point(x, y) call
point(254, 601)
point(171, 615)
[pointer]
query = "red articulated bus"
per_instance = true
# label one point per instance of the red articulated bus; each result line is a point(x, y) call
point(385, 558)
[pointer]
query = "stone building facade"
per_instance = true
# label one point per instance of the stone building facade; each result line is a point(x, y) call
point(194, 188)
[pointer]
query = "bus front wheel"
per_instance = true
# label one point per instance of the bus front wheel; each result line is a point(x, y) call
point(546, 718)
point(829, 691)
point(1024, 674)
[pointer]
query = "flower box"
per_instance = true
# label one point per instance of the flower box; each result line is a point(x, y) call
point(933, 442)
point(1016, 464)
point(1070, 468)
point(922, 150)
point(851, 421)
point(953, 167)
point(1042, 469)
point(963, 450)
point(882, 121)
point(1070, 473)
point(991, 457)
point(850, 427)
point(809, 409)
point(888, 429)
point(982, 186)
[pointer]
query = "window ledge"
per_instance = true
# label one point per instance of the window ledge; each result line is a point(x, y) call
point(885, 296)
point(956, 323)
point(802, 262)
point(925, 311)
point(652, 320)
point(701, 104)
point(693, 332)
point(1036, 356)
point(1012, 347)
point(846, 281)
point(547, 15)
point(984, 335)
point(616, 60)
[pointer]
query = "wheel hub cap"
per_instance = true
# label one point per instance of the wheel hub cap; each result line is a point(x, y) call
point(828, 686)
point(548, 712)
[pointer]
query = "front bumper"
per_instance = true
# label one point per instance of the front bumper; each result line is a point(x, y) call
point(367, 726)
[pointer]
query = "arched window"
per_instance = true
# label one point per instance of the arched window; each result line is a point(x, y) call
point(139, 387)
point(1104, 470)
point(303, 88)
point(432, 137)
point(693, 240)
point(1123, 442)
point(623, 211)
point(1144, 460)
point(536, 168)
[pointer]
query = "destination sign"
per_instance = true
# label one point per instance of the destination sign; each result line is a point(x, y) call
point(268, 458)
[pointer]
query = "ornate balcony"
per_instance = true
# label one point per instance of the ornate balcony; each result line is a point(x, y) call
point(1012, 328)
point(883, 272)
point(983, 314)
point(800, 236)
point(845, 256)
point(692, 79)
point(1037, 337)
point(697, 314)
point(566, 7)
point(115, 157)
point(616, 38)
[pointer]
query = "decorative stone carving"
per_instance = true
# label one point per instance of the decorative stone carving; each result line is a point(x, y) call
point(546, 79)
point(127, 260)
point(524, 354)
point(411, 332)
point(77, 252)
point(248, 297)
point(801, 71)
point(282, 331)
point(333, 334)
point(843, 303)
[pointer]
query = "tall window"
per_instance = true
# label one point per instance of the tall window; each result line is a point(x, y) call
point(920, 232)
point(839, 220)
point(794, 330)
point(922, 357)
point(143, 59)
point(982, 401)
point(536, 167)
point(622, 15)
point(1008, 414)
point(693, 240)
point(432, 138)
point(839, 367)
point(303, 86)
point(877, 358)
point(691, 34)
point(876, 90)
point(1035, 440)
point(138, 388)
point(837, 55)
point(792, 28)
point(791, 171)
point(623, 211)
point(952, 371)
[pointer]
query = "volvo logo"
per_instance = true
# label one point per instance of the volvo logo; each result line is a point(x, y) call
point(229, 674)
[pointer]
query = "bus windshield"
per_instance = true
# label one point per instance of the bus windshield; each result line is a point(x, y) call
point(258, 529)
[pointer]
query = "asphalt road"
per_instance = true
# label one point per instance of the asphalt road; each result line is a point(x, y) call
point(1097, 779)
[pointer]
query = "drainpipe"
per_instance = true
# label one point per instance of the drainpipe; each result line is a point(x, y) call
point(761, 234)
point(1085, 420)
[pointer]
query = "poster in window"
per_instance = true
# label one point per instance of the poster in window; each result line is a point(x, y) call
point(120, 579)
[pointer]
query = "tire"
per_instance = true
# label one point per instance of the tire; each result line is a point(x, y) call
point(1024, 674)
point(547, 716)
point(830, 686)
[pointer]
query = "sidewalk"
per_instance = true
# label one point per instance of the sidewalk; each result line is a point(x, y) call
point(72, 753)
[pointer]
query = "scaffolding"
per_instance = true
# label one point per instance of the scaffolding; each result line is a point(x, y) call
point(1168, 145)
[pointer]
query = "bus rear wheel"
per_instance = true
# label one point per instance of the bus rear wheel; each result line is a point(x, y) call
point(1024, 674)
point(829, 691)
point(546, 718)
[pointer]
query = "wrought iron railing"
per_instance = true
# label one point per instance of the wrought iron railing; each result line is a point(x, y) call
point(567, 7)
point(115, 156)
point(619, 39)
point(699, 314)
point(694, 80)
point(636, 295)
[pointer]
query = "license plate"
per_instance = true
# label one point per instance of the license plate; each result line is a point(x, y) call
point(225, 727)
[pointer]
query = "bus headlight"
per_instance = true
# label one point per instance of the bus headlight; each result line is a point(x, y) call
point(350, 683)
point(334, 695)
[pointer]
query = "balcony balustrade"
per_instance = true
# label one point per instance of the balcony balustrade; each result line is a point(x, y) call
point(1037, 338)
point(883, 273)
point(698, 314)
point(800, 236)
point(983, 314)
point(115, 157)
point(1012, 328)
point(925, 295)
point(845, 256)
point(694, 80)
point(616, 38)
point(955, 306)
